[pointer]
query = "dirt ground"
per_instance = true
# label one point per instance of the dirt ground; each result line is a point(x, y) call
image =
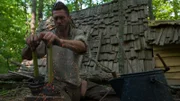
point(17, 94)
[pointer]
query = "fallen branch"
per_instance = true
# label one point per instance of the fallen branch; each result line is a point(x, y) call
point(21, 74)
point(104, 68)
point(10, 76)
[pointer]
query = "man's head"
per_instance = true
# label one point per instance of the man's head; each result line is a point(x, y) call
point(61, 16)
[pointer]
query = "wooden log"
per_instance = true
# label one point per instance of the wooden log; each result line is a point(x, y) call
point(97, 76)
point(13, 77)
point(11, 81)
point(21, 74)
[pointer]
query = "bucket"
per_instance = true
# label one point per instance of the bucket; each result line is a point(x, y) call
point(143, 86)
point(40, 88)
point(36, 85)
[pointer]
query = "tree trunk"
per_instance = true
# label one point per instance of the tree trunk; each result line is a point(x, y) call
point(40, 10)
point(150, 10)
point(175, 8)
point(33, 19)
point(24, 4)
point(80, 4)
point(76, 5)
point(90, 3)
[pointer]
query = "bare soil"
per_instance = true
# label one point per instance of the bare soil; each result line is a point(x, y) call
point(17, 94)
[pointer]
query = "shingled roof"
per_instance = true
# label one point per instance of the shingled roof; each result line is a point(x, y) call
point(113, 30)
point(101, 26)
point(116, 34)
point(163, 33)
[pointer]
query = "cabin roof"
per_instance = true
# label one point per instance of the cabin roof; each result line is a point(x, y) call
point(163, 32)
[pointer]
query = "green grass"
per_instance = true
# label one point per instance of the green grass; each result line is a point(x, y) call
point(3, 92)
point(3, 70)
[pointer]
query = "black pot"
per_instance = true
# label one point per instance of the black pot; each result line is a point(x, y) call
point(144, 86)
point(49, 90)
point(36, 85)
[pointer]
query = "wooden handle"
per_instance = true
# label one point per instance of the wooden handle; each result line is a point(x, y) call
point(50, 64)
point(164, 64)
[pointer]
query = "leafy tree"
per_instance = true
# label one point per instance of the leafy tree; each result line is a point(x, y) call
point(166, 9)
point(40, 10)
point(12, 31)
point(15, 20)
point(75, 5)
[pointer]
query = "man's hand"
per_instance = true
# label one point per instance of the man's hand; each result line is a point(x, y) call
point(33, 41)
point(49, 38)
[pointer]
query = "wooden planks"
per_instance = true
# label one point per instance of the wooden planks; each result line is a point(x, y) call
point(163, 33)
point(173, 76)
point(173, 69)
point(169, 53)
point(170, 61)
point(166, 47)
point(171, 56)
point(173, 82)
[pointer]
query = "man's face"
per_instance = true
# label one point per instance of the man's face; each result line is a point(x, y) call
point(61, 19)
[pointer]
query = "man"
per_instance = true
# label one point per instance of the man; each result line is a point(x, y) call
point(68, 43)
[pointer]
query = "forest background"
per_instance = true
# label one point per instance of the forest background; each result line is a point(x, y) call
point(17, 17)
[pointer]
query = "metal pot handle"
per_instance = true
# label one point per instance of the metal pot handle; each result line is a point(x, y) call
point(153, 79)
point(164, 64)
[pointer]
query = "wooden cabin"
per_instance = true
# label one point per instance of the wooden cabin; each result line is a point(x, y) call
point(121, 39)
point(116, 36)
point(165, 38)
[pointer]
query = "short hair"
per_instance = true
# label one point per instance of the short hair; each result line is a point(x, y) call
point(60, 6)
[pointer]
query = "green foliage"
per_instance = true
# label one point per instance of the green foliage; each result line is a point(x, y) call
point(15, 18)
point(48, 4)
point(166, 10)
point(82, 4)
point(12, 31)
point(3, 92)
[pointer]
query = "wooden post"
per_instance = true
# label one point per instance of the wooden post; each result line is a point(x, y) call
point(50, 65)
point(121, 52)
point(33, 28)
point(151, 16)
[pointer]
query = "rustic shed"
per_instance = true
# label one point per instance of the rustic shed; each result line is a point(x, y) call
point(116, 37)
point(122, 40)
point(165, 38)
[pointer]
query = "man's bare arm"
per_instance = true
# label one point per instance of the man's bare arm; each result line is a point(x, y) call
point(75, 45)
point(27, 53)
